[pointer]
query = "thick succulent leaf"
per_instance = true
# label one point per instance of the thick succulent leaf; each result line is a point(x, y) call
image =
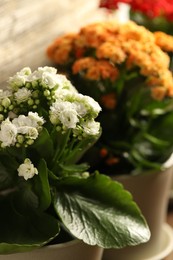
point(99, 211)
point(20, 233)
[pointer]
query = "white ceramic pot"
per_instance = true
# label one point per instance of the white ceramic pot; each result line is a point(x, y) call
point(151, 193)
point(73, 250)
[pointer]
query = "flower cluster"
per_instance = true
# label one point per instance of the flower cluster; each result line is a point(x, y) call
point(152, 9)
point(126, 68)
point(110, 45)
point(46, 98)
point(156, 15)
point(46, 126)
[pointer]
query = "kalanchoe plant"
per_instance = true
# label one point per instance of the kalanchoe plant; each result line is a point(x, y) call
point(156, 15)
point(126, 68)
point(45, 127)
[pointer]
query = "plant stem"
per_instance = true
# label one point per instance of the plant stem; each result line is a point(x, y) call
point(61, 147)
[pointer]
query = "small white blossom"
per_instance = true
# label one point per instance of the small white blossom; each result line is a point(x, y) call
point(49, 79)
point(68, 118)
point(81, 108)
point(64, 83)
point(36, 119)
point(51, 70)
point(5, 94)
point(88, 128)
point(22, 120)
point(27, 169)
point(92, 104)
point(37, 74)
point(61, 93)
point(22, 95)
point(8, 133)
point(32, 120)
point(19, 79)
point(28, 131)
point(65, 113)
point(91, 127)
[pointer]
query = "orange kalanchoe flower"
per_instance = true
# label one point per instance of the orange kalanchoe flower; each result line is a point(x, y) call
point(98, 49)
point(61, 48)
point(108, 101)
point(164, 41)
point(95, 34)
point(111, 51)
point(94, 69)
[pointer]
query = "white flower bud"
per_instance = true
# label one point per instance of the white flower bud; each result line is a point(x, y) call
point(6, 102)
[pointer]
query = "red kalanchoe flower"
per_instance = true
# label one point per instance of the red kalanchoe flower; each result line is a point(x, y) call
point(112, 4)
point(151, 8)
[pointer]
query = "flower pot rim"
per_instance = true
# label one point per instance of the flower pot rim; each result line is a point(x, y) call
point(144, 174)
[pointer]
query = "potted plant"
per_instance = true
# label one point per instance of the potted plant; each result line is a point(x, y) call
point(126, 68)
point(46, 196)
point(155, 15)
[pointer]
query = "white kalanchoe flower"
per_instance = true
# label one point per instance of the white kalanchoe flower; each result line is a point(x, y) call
point(87, 128)
point(37, 74)
point(28, 131)
point(65, 84)
point(51, 70)
point(27, 169)
point(22, 95)
point(72, 108)
point(90, 127)
point(36, 119)
point(5, 94)
point(91, 104)
point(8, 133)
point(28, 126)
point(19, 79)
point(63, 91)
point(64, 113)
point(49, 79)
point(69, 118)
point(32, 120)
point(85, 105)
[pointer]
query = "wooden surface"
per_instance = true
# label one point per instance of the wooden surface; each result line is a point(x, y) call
point(27, 27)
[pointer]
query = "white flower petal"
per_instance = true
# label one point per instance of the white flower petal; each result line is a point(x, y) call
point(27, 169)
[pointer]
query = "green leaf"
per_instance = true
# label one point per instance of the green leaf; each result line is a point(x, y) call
point(99, 211)
point(42, 187)
point(44, 144)
point(5, 177)
point(19, 233)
